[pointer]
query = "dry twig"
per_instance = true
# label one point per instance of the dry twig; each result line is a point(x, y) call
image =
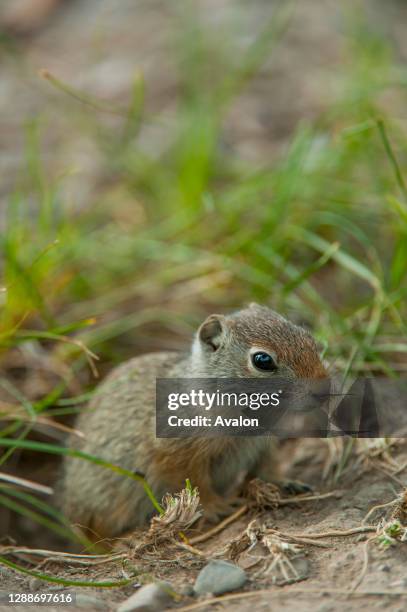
point(218, 528)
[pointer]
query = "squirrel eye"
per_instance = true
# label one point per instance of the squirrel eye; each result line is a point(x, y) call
point(264, 361)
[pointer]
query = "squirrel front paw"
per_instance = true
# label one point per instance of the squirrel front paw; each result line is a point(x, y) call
point(294, 487)
point(215, 511)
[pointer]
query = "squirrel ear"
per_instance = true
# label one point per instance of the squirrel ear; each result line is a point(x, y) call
point(212, 332)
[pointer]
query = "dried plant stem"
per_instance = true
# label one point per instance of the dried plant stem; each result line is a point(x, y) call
point(401, 468)
point(328, 534)
point(46, 553)
point(218, 528)
point(390, 475)
point(63, 557)
point(303, 539)
point(284, 501)
point(27, 484)
point(192, 549)
point(233, 517)
point(365, 564)
point(289, 591)
point(378, 507)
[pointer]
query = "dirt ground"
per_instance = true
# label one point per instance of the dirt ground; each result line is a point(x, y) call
point(96, 46)
point(329, 568)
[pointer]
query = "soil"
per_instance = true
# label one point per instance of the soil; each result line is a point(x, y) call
point(329, 573)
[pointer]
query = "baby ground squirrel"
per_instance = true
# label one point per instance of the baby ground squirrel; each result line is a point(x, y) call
point(120, 425)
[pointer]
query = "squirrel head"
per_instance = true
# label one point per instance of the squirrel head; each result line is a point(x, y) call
point(254, 342)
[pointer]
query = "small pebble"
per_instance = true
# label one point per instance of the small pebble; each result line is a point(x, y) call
point(152, 597)
point(384, 567)
point(88, 601)
point(302, 568)
point(399, 583)
point(55, 587)
point(219, 577)
point(187, 590)
point(35, 584)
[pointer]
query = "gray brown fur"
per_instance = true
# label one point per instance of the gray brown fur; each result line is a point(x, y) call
point(119, 425)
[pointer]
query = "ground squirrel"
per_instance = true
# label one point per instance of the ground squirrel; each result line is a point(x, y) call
point(120, 423)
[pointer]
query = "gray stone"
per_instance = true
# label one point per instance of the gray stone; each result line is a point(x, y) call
point(187, 590)
point(219, 577)
point(35, 584)
point(302, 570)
point(89, 601)
point(55, 587)
point(302, 567)
point(384, 567)
point(151, 597)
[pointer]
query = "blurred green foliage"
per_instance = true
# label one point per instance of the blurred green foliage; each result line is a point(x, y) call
point(332, 209)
